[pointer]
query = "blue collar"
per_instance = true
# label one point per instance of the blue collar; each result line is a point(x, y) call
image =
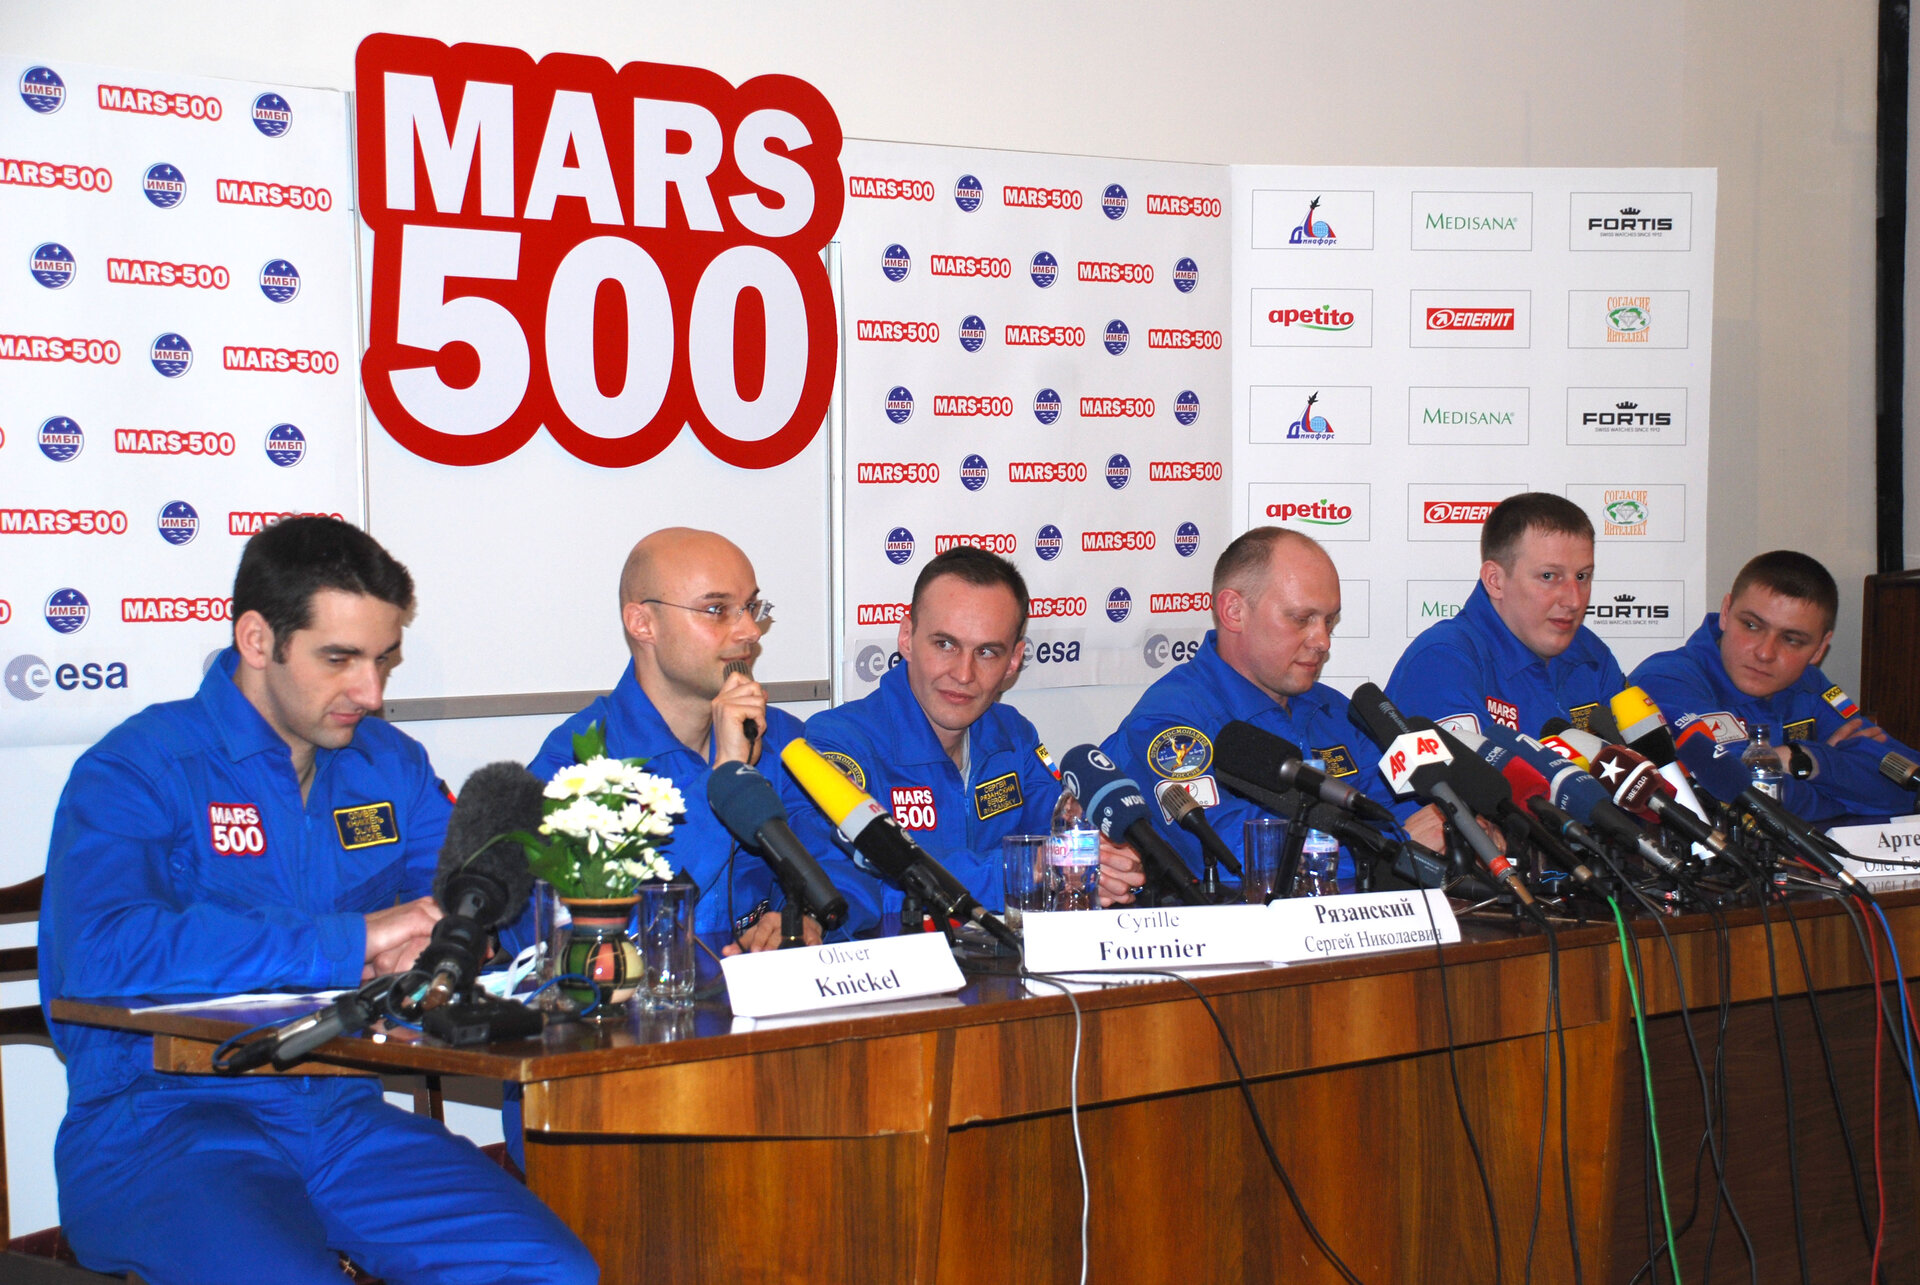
point(635, 725)
point(1244, 700)
point(244, 730)
point(914, 740)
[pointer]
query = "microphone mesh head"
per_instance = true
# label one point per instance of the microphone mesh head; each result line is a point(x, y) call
point(497, 799)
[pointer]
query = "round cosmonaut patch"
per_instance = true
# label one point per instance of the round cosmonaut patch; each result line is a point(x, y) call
point(848, 768)
point(1180, 752)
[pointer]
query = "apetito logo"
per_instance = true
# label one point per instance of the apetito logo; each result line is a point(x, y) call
point(52, 265)
point(974, 472)
point(899, 403)
point(61, 439)
point(1046, 405)
point(1186, 407)
point(1113, 202)
point(165, 186)
point(1119, 604)
point(896, 262)
point(967, 193)
point(42, 89)
point(1119, 472)
point(973, 332)
point(1186, 275)
point(1045, 269)
point(272, 116)
point(67, 611)
point(179, 523)
point(1047, 542)
point(280, 281)
point(286, 445)
point(1116, 337)
point(899, 546)
point(171, 355)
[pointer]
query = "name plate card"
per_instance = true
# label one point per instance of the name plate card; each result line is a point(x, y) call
point(1357, 923)
point(1875, 847)
point(772, 983)
point(1132, 938)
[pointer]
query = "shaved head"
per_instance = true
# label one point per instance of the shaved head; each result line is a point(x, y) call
point(656, 564)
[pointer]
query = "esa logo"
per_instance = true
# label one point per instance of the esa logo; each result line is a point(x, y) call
point(1119, 471)
point(1186, 407)
point(873, 661)
point(973, 333)
point(1113, 202)
point(899, 403)
point(1161, 651)
point(272, 116)
point(967, 193)
point(1054, 651)
point(1045, 269)
point(1047, 542)
point(164, 185)
point(1186, 539)
point(1186, 275)
point(1116, 337)
point(973, 472)
point(280, 281)
point(42, 89)
point(1046, 405)
point(286, 445)
point(179, 523)
point(28, 677)
point(171, 355)
point(896, 262)
point(52, 265)
point(1119, 604)
point(899, 546)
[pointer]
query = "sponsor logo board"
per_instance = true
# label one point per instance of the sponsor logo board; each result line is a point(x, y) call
point(1453, 510)
point(1311, 319)
point(1631, 221)
point(1468, 416)
point(1635, 416)
point(1472, 221)
point(1625, 318)
point(1431, 601)
point(1319, 414)
point(1471, 319)
point(1324, 510)
point(1638, 609)
point(1656, 513)
point(1318, 219)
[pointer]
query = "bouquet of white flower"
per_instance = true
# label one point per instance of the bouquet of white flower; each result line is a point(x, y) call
point(604, 823)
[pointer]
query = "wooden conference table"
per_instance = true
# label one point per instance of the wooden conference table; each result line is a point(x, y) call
point(931, 1140)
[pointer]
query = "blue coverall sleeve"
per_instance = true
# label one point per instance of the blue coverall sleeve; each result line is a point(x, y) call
point(121, 926)
point(1439, 682)
point(1848, 782)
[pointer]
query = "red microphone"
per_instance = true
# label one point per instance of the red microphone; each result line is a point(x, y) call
point(1532, 792)
point(1638, 787)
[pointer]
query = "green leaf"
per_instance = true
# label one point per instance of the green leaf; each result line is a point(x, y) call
point(590, 744)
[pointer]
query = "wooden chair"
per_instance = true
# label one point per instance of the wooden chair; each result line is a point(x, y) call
point(1890, 652)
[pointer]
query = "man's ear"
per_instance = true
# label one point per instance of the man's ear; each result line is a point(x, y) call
point(637, 621)
point(1232, 606)
point(1020, 649)
point(253, 639)
point(1493, 578)
point(905, 638)
point(1820, 652)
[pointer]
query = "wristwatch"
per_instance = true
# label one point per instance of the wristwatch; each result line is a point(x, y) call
point(1799, 762)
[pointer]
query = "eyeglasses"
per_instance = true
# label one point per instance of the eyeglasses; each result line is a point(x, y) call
point(758, 610)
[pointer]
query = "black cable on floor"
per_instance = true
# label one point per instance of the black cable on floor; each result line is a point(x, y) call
point(1786, 1087)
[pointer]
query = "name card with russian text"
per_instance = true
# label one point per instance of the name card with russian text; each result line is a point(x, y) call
point(1357, 923)
point(1878, 850)
point(1133, 938)
point(776, 982)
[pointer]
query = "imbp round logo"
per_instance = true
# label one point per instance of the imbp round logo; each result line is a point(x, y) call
point(1113, 202)
point(42, 89)
point(899, 546)
point(179, 523)
point(1048, 542)
point(1186, 539)
point(896, 262)
point(973, 472)
point(67, 611)
point(967, 193)
point(973, 333)
point(1119, 604)
point(1186, 407)
point(280, 281)
point(1119, 471)
point(164, 185)
point(1186, 275)
point(1044, 269)
point(286, 445)
point(52, 265)
point(272, 116)
point(1116, 337)
point(1046, 406)
point(61, 439)
point(172, 355)
point(899, 403)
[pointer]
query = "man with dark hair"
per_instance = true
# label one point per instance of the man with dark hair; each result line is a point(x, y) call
point(1756, 663)
point(266, 835)
point(1518, 654)
point(960, 768)
point(1276, 602)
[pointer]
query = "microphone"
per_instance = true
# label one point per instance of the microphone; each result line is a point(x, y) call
point(1638, 787)
point(1529, 788)
point(1725, 777)
point(746, 804)
point(1191, 817)
point(867, 826)
point(483, 878)
point(1900, 769)
point(1576, 793)
point(1417, 759)
point(748, 727)
point(1244, 751)
point(1115, 804)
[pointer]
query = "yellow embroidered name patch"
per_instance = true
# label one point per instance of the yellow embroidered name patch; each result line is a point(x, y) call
point(366, 826)
point(1001, 794)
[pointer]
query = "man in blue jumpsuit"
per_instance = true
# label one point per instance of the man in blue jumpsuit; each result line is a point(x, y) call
point(1518, 654)
point(960, 769)
point(1276, 602)
point(266, 835)
point(1757, 663)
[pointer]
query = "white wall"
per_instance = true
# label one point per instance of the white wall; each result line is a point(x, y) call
point(1778, 96)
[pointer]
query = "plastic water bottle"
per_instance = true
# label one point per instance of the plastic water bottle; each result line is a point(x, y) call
point(1073, 856)
point(1319, 860)
point(1762, 762)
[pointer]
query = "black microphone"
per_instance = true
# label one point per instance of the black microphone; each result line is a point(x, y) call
point(1244, 751)
point(1576, 792)
point(1115, 804)
point(1725, 777)
point(747, 805)
point(748, 727)
point(1899, 769)
point(1191, 817)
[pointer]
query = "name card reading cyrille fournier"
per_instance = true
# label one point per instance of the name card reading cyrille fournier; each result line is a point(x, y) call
point(1876, 847)
point(775, 982)
point(1357, 923)
point(1173, 937)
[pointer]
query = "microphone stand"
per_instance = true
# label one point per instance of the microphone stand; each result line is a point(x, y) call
point(1210, 876)
point(793, 915)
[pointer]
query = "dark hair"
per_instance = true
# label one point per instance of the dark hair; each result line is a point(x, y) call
point(976, 567)
point(1516, 515)
point(1792, 575)
point(285, 564)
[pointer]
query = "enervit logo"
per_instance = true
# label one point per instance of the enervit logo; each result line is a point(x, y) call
point(178, 523)
point(61, 439)
point(885, 473)
point(1620, 415)
point(280, 281)
point(1186, 275)
point(1311, 318)
point(286, 445)
point(42, 89)
point(1004, 543)
point(1161, 650)
point(67, 611)
point(272, 116)
point(164, 185)
point(1122, 273)
point(1040, 198)
point(973, 333)
point(1119, 471)
point(1046, 405)
point(1185, 339)
point(1651, 318)
point(897, 332)
point(899, 405)
point(1472, 221)
point(28, 677)
point(1113, 202)
point(1186, 539)
point(148, 441)
point(1116, 541)
point(1119, 604)
point(1044, 269)
point(1471, 511)
point(1049, 608)
point(1311, 218)
point(967, 193)
point(1631, 221)
point(1046, 471)
point(971, 265)
point(1193, 207)
point(1173, 604)
point(899, 546)
point(171, 355)
point(1471, 318)
point(174, 611)
point(895, 262)
point(881, 613)
point(1185, 471)
point(1324, 510)
point(890, 189)
point(1045, 336)
point(1431, 601)
point(1047, 542)
point(968, 406)
point(1468, 416)
point(1186, 406)
point(52, 265)
point(1116, 408)
point(1453, 510)
point(1312, 230)
point(974, 472)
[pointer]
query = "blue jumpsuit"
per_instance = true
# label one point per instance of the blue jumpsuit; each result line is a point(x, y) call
point(1168, 736)
point(885, 743)
point(1470, 669)
point(1691, 683)
point(184, 862)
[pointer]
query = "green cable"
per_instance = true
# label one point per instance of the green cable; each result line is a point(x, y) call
point(1646, 1064)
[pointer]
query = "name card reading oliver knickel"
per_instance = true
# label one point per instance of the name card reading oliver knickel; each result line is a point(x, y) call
point(775, 982)
point(1876, 847)
point(1132, 938)
point(1357, 923)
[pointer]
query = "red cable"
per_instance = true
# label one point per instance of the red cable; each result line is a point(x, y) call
point(1879, 1039)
